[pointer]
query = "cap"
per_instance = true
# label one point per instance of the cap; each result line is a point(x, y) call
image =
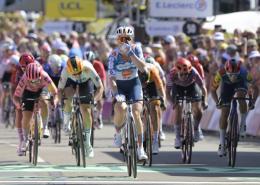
point(219, 36)
point(251, 42)
point(169, 39)
point(254, 54)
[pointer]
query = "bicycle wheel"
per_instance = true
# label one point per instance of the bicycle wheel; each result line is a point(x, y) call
point(58, 126)
point(148, 139)
point(75, 142)
point(92, 135)
point(30, 149)
point(81, 137)
point(234, 139)
point(189, 139)
point(183, 144)
point(36, 140)
point(126, 150)
point(133, 147)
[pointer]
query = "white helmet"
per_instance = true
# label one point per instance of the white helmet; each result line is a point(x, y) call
point(55, 61)
point(125, 31)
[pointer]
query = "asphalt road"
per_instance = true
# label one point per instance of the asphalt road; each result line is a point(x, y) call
point(57, 164)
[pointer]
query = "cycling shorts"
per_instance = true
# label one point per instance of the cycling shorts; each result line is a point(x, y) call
point(132, 89)
point(150, 90)
point(192, 91)
point(28, 105)
point(85, 89)
point(228, 91)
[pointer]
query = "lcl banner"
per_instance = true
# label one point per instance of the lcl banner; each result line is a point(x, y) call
point(80, 10)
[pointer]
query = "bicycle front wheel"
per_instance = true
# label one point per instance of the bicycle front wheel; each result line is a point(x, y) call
point(75, 141)
point(148, 139)
point(189, 142)
point(80, 137)
point(133, 148)
point(234, 139)
point(36, 140)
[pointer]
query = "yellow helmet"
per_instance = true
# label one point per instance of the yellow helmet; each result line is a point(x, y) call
point(74, 65)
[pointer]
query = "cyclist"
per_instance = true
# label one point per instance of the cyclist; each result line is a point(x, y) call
point(148, 53)
point(30, 86)
point(53, 67)
point(234, 78)
point(185, 78)
point(153, 88)
point(99, 67)
point(198, 66)
point(82, 73)
point(123, 65)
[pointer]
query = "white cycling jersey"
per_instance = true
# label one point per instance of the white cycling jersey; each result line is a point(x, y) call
point(88, 72)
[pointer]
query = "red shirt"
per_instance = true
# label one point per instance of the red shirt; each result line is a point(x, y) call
point(99, 67)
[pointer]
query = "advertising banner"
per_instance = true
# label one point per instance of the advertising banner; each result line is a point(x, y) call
point(80, 10)
point(181, 8)
point(155, 27)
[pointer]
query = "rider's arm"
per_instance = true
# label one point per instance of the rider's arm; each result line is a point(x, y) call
point(158, 82)
point(169, 84)
point(214, 87)
point(62, 83)
point(19, 91)
point(202, 85)
point(135, 54)
point(112, 74)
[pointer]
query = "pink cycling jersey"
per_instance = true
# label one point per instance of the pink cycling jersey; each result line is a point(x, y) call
point(194, 77)
point(24, 83)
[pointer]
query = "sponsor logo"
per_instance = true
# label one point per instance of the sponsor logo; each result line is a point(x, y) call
point(201, 5)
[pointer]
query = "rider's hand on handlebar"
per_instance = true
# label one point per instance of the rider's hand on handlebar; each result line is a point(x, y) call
point(204, 105)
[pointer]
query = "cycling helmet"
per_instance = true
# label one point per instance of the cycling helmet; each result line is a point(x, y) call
point(14, 60)
point(232, 66)
point(125, 31)
point(55, 61)
point(26, 59)
point(144, 76)
point(183, 65)
point(33, 71)
point(74, 65)
point(193, 59)
point(90, 56)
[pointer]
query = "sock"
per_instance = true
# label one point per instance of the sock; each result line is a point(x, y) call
point(45, 123)
point(196, 124)
point(20, 134)
point(25, 135)
point(155, 137)
point(87, 137)
point(222, 135)
point(177, 129)
point(67, 118)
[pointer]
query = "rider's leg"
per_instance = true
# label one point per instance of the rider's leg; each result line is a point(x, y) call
point(26, 121)
point(18, 123)
point(243, 111)
point(68, 92)
point(155, 117)
point(177, 126)
point(99, 112)
point(222, 129)
point(197, 112)
point(44, 114)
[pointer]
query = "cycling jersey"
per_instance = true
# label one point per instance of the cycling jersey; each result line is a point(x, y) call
point(99, 67)
point(88, 72)
point(221, 76)
point(25, 84)
point(151, 60)
point(55, 77)
point(199, 68)
point(121, 67)
point(193, 77)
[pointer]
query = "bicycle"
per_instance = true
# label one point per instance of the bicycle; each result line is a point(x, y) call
point(130, 141)
point(8, 111)
point(77, 136)
point(187, 129)
point(232, 137)
point(148, 140)
point(35, 132)
point(95, 121)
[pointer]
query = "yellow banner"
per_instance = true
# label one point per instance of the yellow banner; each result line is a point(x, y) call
point(80, 10)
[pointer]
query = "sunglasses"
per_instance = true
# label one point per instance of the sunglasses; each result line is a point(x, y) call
point(124, 39)
point(76, 74)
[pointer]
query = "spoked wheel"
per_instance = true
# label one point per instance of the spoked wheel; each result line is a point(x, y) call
point(128, 157)
point(234, 136)
point(30, 149)
point(35, 142)
point(81, 138)
point(133, 148)
point(148, 140)
point(92, 136)
point(75, 141)
point(187, 143)
point(58, 131)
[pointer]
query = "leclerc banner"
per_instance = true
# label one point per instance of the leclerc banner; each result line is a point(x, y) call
point(181, 8)
point(80, 10)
